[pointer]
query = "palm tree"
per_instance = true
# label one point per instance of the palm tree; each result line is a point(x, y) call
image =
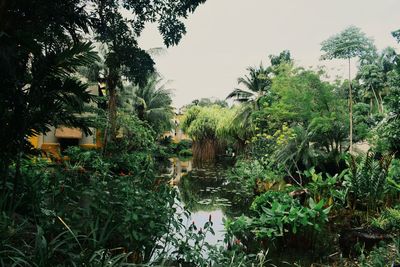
point(374, 75)
point(257, 85)
point(372, 78)
point(50, 95)
point(152, 103)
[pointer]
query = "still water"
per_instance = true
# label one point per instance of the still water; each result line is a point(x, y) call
point(205, 191)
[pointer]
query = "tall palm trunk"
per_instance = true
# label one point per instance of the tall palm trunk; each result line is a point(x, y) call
point(371, 106)
point(205, 150)
point(380, 101)
point(110, 131)
point(376, 99)
point(350, 111)
point(112, 112)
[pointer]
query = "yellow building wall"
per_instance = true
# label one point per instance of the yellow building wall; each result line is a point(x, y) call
point(34, 140)
point(53, 149)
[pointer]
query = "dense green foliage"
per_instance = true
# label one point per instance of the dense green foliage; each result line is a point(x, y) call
point(91, 203)
point(211, 129)
point(348, 44)
point(295, 163)
point(152, 103)
point(85, 208)
point(313, 157)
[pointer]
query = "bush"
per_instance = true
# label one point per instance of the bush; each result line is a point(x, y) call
point(381, 256)
point(277, 214)
point(389, 220)
point(71, 210)
point(368, 178)
point(255, 175)
point(394, 176)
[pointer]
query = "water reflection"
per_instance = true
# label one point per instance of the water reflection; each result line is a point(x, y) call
point(179, 168)
point(204, 191)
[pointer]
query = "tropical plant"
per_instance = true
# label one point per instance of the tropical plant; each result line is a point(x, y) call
point(237, 257)
point(388, 220)
point(51, 96)
point(39, 59)
point(325, 186)
point(296, 153)
point(372, 77)
point(152, 103)
point(381, 255)
point(389, 130)
point(277, 214)
point(124, 57)
point(394, 175)
point(257, 85)
point(282, 218)
point(102, 203)
point(364, 122)
point(348, 44)
point(191, 246)
point(305, 125)
point(368, 178)
point(255, 176)
point(211, 129)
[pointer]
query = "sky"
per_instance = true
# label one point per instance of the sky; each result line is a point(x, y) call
point(224, 37)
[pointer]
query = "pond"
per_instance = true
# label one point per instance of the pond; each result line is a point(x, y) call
point(205, 191)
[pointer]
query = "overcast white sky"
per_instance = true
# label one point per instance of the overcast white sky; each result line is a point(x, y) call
point(224, 37)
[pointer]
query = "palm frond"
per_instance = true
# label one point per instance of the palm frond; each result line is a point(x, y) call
point(240, 94)
point(69, 60)
point(368, 177)
point(155, 102)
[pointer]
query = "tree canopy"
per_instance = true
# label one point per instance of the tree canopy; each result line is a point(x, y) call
point(349, 43)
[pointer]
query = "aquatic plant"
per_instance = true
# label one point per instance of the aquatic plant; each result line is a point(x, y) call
point(277, 214)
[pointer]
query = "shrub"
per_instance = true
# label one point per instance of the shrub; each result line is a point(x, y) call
point(367, 178)
point(381, 256)
point(394, 176)
point(277, 214)
point(255, 175)
point(90, 201)
point(325, 186)
point(389, 220)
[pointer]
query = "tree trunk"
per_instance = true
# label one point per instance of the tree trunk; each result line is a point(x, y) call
point(110, 131)
point(376, 99)
point(204, 150)
point(380, 102)
point(350, 111)
point(112, 113)
point(371, 107)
